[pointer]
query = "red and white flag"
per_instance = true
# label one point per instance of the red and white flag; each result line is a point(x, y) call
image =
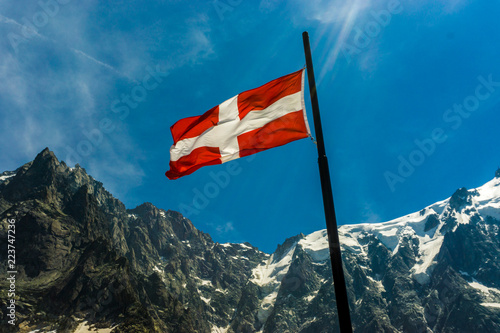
point(255, 120)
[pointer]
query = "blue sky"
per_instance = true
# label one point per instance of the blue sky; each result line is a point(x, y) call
point(409, 94)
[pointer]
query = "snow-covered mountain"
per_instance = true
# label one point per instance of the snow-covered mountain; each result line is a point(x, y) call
point(428, 227)
point(84, 259)
point(435, 270)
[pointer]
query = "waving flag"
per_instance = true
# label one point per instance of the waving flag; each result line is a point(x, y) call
point(255, 120)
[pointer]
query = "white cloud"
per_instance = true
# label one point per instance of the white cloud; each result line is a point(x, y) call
point(13, 85)
point(369, 215)
point(196, 42)
point(450, 6)
point(267, 6)
point(225, 228)
point(223, 231)
point(100, 63)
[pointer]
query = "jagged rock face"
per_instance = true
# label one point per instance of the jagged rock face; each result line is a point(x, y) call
point(82, 256)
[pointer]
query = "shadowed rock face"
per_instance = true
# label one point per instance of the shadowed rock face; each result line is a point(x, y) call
point(81, 255)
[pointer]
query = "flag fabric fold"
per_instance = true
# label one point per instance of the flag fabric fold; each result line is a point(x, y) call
point(255, 120)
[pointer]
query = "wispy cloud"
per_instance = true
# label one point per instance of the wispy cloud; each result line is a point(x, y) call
point(225, 228)
point(450, 6)
point(269, 5)
point(13, 86)
point(36, 34)
point(54, 90)
point(196, 43)
point(369, 215)
point(7, 20)
point(222, 230)
point(100, 63)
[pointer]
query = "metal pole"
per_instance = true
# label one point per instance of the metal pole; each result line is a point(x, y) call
point(326, 187)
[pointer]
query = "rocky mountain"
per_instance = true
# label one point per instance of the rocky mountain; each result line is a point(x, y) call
point(84, 260)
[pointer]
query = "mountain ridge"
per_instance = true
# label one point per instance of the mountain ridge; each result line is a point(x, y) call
point(85, 259)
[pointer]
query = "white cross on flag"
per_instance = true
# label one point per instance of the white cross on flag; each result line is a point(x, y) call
point(255, 120)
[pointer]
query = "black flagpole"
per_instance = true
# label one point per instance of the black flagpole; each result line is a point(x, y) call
point(326, 187)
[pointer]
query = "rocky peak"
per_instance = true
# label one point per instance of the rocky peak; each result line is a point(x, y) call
point(288, 243)
point(146, 209)
point(35, 179)
point(46, 159)
point(161, 224)
point(46, 152)
point(462, 197)
point(460, 210)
